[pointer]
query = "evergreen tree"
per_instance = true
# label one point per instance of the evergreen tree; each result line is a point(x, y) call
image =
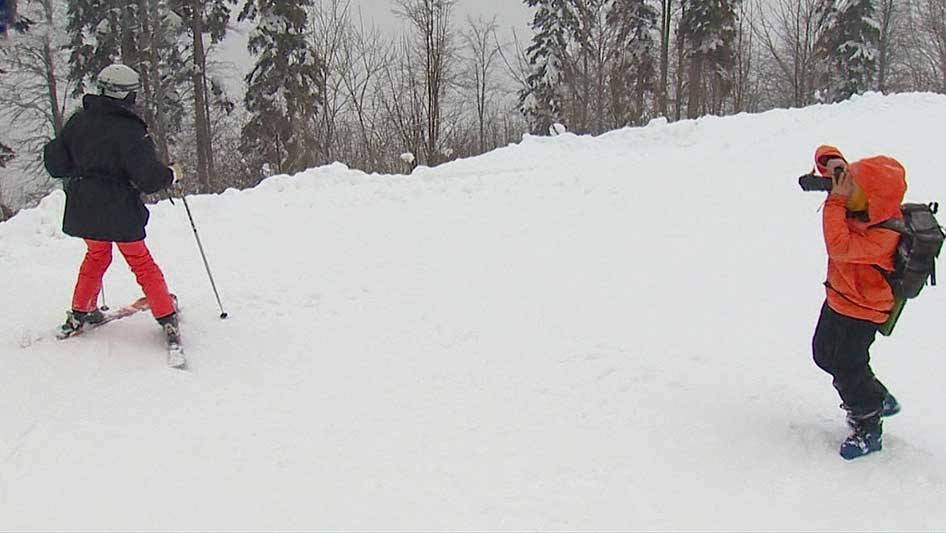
point(849, 45)
point(94, 29)
point(634, 69)
point(142, 34)
point(282, 89)
point(555, 23)
point(709, 29)
point(592, 64)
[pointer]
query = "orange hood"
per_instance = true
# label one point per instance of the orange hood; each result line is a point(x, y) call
point(883, 180)
point(826, 151)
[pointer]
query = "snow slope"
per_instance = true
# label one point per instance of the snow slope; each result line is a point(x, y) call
point(571, 333)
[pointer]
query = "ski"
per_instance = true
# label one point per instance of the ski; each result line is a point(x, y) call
point(66, 332)
point(175, 351)
point(176, 358)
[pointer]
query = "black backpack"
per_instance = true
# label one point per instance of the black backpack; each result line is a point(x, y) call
point(921, 239)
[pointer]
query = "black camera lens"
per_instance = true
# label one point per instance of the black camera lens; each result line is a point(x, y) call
point(810, 182)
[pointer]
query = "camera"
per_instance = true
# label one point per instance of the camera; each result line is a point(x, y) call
point(812, 182)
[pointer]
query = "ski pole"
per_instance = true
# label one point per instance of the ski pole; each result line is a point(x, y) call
point(223, 314)
point(104, 305)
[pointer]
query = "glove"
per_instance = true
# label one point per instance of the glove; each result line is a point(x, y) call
point(177, 172)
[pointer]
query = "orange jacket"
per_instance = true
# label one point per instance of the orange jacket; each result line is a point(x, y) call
point(855, 287)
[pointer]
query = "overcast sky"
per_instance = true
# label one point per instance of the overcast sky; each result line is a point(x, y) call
point(509, 13)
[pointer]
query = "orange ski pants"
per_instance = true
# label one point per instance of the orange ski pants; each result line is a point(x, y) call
point(149, 276)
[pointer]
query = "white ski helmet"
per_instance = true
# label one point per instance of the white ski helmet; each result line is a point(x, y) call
point(117, 81)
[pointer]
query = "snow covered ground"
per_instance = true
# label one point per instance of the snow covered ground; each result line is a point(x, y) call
point(572, 333)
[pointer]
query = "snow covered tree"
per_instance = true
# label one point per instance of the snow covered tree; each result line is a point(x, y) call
point(593, 64)
point(849, 44)
point(554, 23)
point(282, 88)
point(709, 28)
point(633, 67)
point(98, 38)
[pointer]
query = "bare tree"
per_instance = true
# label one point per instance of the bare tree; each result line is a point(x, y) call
point(666, 25)
point(927, 31)
point(368, 55)
point(31, 91)
point(745, 76)
point(434, 43)
point(404, 100)
point(330, 34)
point(888, 14)
point(788, 32)
point(479, 71)
point(205, 164)
point(681, 63)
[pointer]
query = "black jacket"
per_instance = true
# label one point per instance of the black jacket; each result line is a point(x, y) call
point(108, 160)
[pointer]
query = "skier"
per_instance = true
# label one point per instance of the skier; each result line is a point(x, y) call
point(859, 298)
point(107, 160)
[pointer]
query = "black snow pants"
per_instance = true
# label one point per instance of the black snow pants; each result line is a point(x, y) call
point(841, 348)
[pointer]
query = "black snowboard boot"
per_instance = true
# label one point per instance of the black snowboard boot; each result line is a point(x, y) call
point(867, 435)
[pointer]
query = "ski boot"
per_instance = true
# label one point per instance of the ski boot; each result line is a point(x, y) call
point(867, 436)
point(172, 333)
point(76, 321)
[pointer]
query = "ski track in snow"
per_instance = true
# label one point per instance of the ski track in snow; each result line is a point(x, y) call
point(570, 333)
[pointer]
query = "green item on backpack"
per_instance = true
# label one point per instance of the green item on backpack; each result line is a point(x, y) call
point(886, 329)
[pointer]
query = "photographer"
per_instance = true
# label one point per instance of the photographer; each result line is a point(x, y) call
point(859, 298)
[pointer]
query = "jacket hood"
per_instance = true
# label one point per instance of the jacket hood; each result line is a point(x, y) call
point(883, 180)
point(104, 104)
point(826, 151)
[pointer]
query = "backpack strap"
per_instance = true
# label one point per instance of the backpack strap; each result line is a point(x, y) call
point(934, 208)
point(893, 224)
